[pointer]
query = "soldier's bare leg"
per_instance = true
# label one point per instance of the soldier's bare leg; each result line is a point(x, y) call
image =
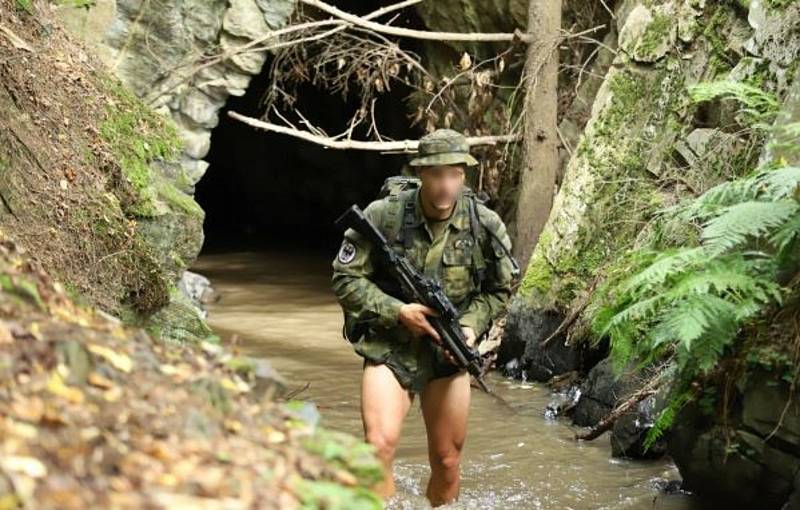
point(384, 405)
point(445, 407)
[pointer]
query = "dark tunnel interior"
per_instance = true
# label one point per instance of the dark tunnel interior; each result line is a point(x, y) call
point(266, 191)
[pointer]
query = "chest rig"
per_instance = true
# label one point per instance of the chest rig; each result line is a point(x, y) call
point(399, 224)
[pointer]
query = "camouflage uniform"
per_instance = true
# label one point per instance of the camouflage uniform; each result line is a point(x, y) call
point(368, 295)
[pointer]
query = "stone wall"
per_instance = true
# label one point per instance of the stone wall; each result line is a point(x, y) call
point(158, 48)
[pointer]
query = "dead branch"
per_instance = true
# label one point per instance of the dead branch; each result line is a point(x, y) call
point(257, 45)
point(417, 34)
point(393, 146)
point(651, 388)
point(574, 313)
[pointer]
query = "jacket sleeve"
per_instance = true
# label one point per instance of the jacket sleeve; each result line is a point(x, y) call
point(352, 269)
point(496, 289)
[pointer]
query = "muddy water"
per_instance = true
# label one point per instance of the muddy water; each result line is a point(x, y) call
point(281, 306)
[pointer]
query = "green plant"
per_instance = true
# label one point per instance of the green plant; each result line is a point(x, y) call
point(758, 106)
point(689, 302)
point(25, 5)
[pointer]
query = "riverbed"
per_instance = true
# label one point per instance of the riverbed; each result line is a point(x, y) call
point(279, 305)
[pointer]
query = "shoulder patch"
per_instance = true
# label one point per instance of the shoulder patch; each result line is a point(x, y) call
point(347, 252)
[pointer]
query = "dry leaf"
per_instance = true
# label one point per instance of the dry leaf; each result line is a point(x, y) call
point(120, 361)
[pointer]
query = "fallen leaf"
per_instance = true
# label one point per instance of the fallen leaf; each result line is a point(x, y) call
point(30, 466)
point(56, 386)
point(100, 381)
point(120, 361)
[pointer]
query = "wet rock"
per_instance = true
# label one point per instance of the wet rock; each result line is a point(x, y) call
point(179, 322)
point(562, 403)
point(669, 487)
point(600, 392)
point(198, 289)
point(521, 354)
point(631, 429)
point(755, 460)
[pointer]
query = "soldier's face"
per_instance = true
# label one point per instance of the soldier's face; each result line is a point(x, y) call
point(441, 185)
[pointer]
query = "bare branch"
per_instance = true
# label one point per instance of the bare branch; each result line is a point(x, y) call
point(256, 45)
point(395, 146)
point(417, 34)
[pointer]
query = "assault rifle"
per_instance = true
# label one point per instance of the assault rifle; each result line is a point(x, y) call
point(419, 288)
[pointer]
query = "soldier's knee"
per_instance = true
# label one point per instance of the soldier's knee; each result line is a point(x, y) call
point(385, 444)
point(446, 459)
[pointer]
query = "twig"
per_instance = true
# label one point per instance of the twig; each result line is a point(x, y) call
point(297, 391)
point(16, 40)
point(400, 145)
point(573, 315)
point(606, 423)
point(252, 46)
point(418, 34)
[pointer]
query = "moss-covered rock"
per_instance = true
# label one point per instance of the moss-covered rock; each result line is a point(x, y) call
point(616, 177)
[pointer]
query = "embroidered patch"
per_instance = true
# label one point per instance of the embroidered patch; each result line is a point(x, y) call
point(465, 242)
point(347, 252)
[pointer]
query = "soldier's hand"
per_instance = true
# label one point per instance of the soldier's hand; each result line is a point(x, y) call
point(470, 334)
point(414, 316)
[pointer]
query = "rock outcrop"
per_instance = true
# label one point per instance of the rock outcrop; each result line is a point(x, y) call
point(160, 50)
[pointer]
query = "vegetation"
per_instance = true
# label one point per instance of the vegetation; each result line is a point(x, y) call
point(687, 303)
point(137, 137)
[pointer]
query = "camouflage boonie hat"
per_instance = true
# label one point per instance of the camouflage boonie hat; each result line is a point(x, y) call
point(443, 147)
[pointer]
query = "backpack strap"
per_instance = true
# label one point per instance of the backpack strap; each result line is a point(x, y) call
point(399, 215)
point(496, 241)
point(408, 224)
point(478, 260)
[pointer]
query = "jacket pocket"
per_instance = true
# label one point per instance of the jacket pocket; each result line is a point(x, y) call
point(456, 274)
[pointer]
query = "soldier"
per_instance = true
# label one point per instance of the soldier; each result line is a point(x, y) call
point(445, 232)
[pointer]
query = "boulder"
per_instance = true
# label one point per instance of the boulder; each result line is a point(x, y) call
point(521, 354)
point(755, 461)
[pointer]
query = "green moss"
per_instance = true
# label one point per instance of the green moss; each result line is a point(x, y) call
point(778, 4)
point(539, 275)
point(24, 5)
point(21, 288)
point(138, 136)
point(657, 31)
point(714, 29)
point(178, 199)
point(343, 451)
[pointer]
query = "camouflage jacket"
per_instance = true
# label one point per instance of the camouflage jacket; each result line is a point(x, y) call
point(364, 290)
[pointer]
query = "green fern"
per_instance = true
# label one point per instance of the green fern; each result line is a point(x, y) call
point(738, 223)
point(758, 106)
point(690, 303)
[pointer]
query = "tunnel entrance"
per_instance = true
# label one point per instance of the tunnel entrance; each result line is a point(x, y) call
point(271, 191)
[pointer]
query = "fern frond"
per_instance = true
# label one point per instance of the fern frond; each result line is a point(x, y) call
point(736, 223)
point(779, 183)
point(758, 106)
point(670, 263)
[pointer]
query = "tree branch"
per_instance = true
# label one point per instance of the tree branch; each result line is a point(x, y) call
point(393, 146)
point(651, 388)
point(417, 34)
